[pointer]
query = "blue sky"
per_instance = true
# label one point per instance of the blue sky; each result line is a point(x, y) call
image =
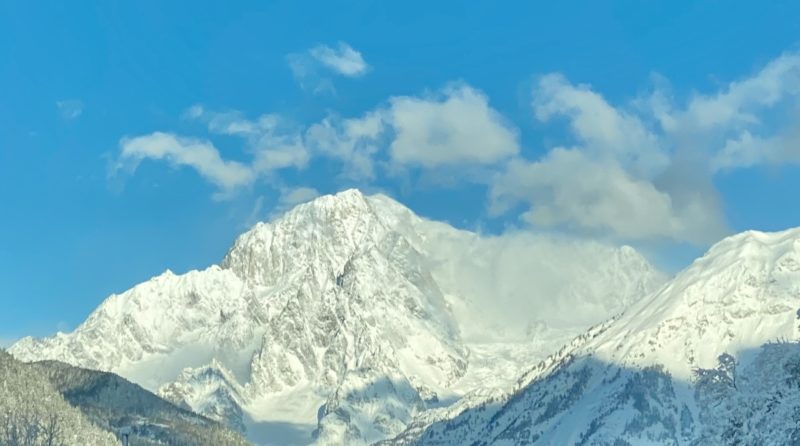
point(140, 136)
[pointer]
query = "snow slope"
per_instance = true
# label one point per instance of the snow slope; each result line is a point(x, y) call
point(710, 358)
point(349, 316)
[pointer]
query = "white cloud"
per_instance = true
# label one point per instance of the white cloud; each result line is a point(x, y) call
point(458, 127)
point(736, 127)
point(605, 130)
point(568, 189)
point(273, 144)
point(739, 102)
point(736, 121)
point(342, 59)
point(644, 171)
point(748, 150)
point(307, 74)
point(609, 182)
point(294, 196)
point(70, 108)
point(353, 141)
point(455, 127)
point(178, 151)
point(310, 68)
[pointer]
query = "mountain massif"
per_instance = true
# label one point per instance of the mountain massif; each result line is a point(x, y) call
point(349, 320)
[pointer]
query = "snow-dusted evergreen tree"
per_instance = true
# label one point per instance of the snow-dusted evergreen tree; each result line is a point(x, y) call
point(115, 403)
point(54, 404)
point(33, 413)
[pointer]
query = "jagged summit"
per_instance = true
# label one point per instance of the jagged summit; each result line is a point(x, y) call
point(331, 209)
point(330, 230)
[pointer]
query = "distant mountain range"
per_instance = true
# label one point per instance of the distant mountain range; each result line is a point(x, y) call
point(350, 320)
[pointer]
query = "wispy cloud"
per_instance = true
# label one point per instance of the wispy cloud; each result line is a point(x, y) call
point(270, 146)
point(255, 214)
point(342, 59)
point(353, 141)
point(70, 109)
point(273, 143)
point(288, 197)
point(179, 151)
point(292, 196)
point(311, 68)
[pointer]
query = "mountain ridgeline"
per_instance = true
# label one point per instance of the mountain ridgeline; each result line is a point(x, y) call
point(350, 320)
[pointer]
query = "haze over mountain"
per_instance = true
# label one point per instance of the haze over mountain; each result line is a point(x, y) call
point(347, 317)
point(712, 357)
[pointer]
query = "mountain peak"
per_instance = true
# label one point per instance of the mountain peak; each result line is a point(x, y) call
point(349, 198)
point(755, 245)
point(327, 231)
point(347, 195)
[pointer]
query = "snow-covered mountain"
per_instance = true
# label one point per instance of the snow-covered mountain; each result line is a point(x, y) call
point(349, 316)
point(710, 358)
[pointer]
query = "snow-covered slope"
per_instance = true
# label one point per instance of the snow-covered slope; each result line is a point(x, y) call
point(710, 358)
point(348, 316)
